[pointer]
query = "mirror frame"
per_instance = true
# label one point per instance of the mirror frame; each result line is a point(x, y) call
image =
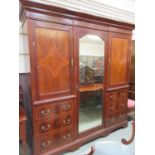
point(80, 32)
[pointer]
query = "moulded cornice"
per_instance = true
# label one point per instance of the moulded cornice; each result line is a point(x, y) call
point(93, 8)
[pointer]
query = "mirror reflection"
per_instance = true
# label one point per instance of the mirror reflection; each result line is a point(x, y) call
point(91, 74)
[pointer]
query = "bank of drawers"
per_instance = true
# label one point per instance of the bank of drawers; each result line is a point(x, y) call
point(53, 124)
point(116, 106)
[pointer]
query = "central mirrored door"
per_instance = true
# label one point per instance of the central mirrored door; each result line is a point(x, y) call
point(91, 79)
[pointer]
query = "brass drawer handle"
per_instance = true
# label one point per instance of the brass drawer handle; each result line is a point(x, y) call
point(45, 112)
point(67, 136)
point(120, 116)
point(67, 121)
point(111, 120)
point(45, 128)
point(66, 107)
point(45, 145)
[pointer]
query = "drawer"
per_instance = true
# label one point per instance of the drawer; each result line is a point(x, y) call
point(65, 107)
point(122, 117)
point(112, 119)
point(54, 139)
point(52, 109)
point(45, 142)
point(66, 135)
point(49, 125)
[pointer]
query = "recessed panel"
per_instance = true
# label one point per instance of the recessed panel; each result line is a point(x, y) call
point(53, 61)
point(119, 60)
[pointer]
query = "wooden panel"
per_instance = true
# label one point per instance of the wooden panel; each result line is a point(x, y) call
point(53, 68)
point(53, 60)
point(118, 59)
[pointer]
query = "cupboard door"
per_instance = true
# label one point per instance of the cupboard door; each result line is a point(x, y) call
point(119, 59)
point(53, 55)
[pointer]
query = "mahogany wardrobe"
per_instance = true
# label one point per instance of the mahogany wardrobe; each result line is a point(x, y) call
point(79, 74)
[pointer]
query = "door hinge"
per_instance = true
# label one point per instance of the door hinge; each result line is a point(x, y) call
point(72, 62)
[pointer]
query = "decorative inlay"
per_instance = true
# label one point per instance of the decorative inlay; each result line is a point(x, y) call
point(49, 61)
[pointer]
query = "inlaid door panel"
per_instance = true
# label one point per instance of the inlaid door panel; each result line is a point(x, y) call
point(119, 59)
point(53, 52)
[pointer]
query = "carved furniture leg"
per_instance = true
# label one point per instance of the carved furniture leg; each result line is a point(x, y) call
point(124, 141)
point(92, 151)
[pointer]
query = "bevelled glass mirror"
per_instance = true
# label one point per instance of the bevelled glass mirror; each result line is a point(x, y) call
point(91, 78)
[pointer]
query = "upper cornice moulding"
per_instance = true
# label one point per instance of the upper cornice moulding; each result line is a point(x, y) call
point(93, 8)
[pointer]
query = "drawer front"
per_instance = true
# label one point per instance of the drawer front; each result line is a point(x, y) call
point(122, 117)
point(66, 135)
point(54, 139)
point(49, 125)
point(44, 143)
point(112, 119)
point(52, 109)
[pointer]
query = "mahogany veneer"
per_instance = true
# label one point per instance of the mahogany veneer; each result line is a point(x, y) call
point(53, 37)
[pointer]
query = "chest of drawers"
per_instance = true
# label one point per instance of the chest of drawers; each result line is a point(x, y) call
point(53, 124)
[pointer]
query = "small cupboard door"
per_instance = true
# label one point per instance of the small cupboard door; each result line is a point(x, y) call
point(53, 68)
point(119, 59)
